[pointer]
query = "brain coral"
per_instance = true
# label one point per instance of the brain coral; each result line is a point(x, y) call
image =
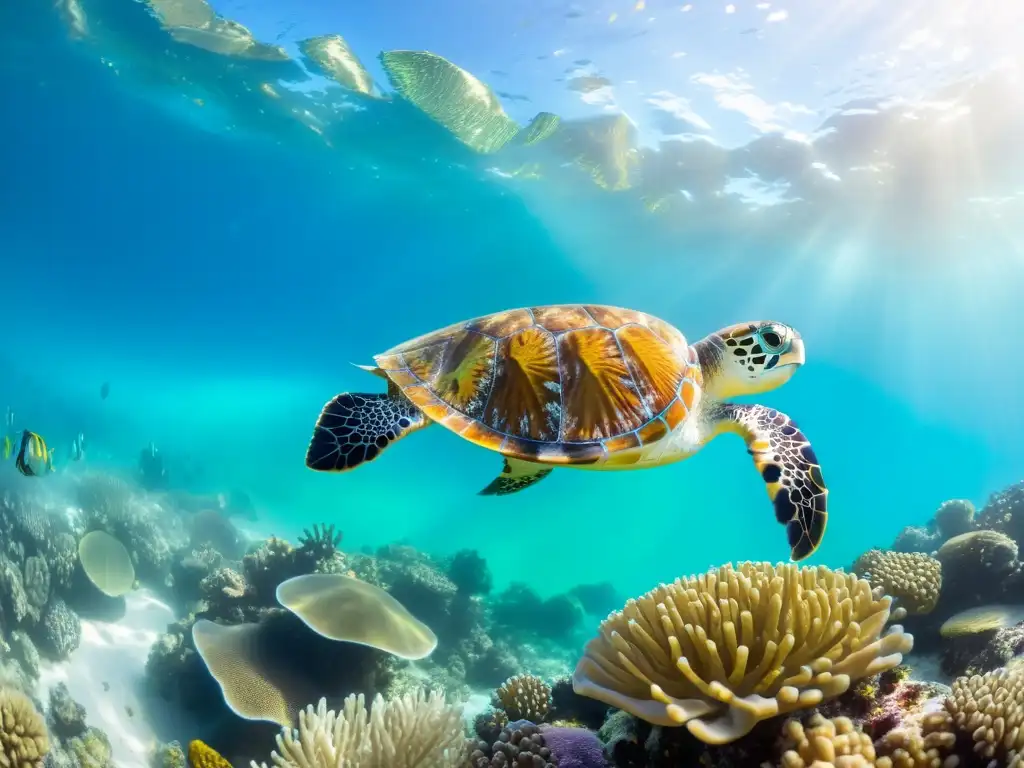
point(726, 649)
point(914, 579)
point(977, 553)
point(23, 739)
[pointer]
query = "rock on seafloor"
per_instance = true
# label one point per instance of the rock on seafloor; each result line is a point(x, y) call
point(106, 674)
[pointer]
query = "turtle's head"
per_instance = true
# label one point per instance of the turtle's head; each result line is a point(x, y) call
point(749, 358)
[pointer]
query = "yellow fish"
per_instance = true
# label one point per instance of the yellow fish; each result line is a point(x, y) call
point(8, 447)
point(33, 456)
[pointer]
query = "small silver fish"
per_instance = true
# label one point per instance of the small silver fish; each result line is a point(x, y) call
point(77, 452)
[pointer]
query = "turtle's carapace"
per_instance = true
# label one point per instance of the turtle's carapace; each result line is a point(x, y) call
point(589, 387)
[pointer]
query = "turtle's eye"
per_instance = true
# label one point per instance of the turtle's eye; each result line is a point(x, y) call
point(771, 341)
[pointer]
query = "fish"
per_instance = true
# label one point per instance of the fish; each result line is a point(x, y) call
point(104, 390)
point(77, 452)
point(8, 447)
point(33, 456)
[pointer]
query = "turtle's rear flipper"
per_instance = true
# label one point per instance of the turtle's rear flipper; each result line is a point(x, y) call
point(515, 476)
point(789, 468)
point(354, 428)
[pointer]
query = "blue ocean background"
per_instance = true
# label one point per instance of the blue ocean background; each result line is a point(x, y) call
point(223, 280)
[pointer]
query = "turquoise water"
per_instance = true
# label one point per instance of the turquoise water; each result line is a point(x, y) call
point(166, 228)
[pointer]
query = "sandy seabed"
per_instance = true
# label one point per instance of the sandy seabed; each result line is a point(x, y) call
point(106, 674)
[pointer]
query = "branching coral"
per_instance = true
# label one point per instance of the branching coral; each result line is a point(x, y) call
point(734, 646)
point(990, 708)
point(524, 697)
point(912, 578)
point(413, 731)
point(322, 542)
point(23, 739)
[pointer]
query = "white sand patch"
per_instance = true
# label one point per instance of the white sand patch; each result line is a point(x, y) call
point(106, 675)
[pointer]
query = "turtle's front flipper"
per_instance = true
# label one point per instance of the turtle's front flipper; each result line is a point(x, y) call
point(789, 467)
point(515, 476)
point(354, 428)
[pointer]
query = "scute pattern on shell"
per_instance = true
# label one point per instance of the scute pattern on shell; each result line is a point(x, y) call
point(561, 384)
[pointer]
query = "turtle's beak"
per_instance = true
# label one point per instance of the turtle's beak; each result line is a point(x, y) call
point(795, 355)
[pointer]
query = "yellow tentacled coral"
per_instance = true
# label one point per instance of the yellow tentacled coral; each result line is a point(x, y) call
point(721, 651)
point(914, 579)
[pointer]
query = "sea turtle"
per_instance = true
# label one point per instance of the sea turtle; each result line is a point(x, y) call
point(588, 387)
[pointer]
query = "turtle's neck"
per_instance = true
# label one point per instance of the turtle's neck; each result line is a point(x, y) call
point(711, 355)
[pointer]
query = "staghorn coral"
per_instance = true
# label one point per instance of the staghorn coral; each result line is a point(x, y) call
point(990, 709)
point(524, 697)
point(413, 731)
point(914, 580)
point(24, 742)
point(954, 517)
point(724, 650)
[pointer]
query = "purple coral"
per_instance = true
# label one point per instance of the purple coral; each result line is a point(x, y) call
point(574, 747)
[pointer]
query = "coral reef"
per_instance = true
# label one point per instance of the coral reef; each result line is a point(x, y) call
point(135, 518)
point(170, 755)
point(1004, 513)
point(412, 731)
point(679, 655)
point(60, 631)
point(24, 741)
point(913, 580)
point(990, 709)
point(574, 747)
point(982, 639)
point(521, 744)
point(954, 517)
point(469, 573)
point(524, 697)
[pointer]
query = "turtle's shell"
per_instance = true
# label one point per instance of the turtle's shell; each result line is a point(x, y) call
point(564, 384)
